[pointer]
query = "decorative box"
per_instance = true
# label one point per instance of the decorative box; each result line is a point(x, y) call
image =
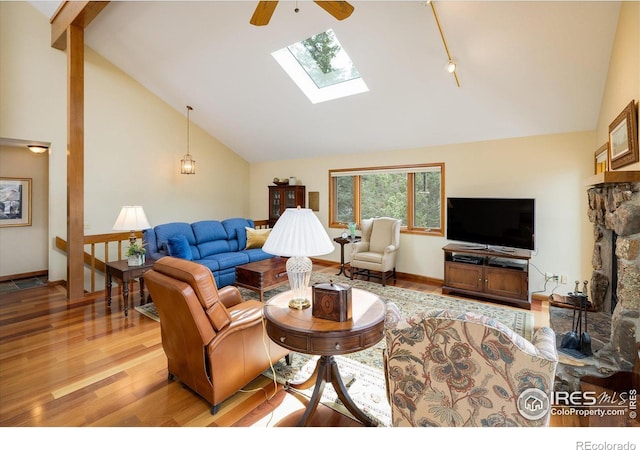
point(331, 301)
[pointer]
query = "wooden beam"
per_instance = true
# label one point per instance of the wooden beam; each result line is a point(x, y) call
point(78, 13)
point(75, 161)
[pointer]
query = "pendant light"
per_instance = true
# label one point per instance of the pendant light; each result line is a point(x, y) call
point(188, 165)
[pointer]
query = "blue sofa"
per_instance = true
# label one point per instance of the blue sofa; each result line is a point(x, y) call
point(219, 245)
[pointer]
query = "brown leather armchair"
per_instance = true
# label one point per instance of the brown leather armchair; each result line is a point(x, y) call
point(214, 341)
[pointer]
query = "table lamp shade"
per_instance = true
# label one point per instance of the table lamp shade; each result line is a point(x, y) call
point(131, 218)
point(298, 234)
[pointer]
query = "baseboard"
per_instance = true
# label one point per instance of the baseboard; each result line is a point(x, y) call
point(20, 276)
point(400, 275)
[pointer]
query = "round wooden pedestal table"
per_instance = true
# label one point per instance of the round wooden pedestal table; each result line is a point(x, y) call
point(300, 331)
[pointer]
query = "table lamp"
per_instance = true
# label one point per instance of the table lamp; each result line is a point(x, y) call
point(131, 218)
point(298, 234)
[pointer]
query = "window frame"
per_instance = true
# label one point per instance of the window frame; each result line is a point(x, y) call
point(410, 228)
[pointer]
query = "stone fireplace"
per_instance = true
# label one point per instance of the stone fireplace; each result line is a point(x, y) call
point(614, 209)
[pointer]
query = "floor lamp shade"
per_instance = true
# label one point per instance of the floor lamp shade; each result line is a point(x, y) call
point(298, 234)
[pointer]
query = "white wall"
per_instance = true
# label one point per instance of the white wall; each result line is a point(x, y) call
point(550, 169)
point(133, 140)
point(623, 78)
point(24, 249)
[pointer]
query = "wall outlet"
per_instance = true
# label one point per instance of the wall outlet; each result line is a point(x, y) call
point(550, 276)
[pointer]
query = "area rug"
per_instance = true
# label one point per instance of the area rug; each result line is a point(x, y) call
point(362, 372)
point(366, 385)
point(408, 301)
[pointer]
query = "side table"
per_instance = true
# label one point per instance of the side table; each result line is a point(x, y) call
point(300, 331)
point(343, 241)
point(126, 273)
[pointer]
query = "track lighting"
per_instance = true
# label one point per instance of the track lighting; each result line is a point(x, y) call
point(451, 66)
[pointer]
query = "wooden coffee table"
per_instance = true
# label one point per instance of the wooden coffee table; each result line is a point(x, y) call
point(300, 331)
point(262, 276)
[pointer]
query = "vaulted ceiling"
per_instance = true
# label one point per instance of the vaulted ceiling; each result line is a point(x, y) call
point(525, 68)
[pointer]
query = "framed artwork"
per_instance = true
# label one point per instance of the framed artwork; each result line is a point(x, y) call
point(602, 159)
point(15, 202)
point(623, 138)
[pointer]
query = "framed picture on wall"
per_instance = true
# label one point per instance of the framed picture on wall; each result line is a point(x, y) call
point(602, 159)
point(623, 138)
point(15, 202)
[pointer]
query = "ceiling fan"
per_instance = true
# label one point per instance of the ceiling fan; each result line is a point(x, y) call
point(264, 10)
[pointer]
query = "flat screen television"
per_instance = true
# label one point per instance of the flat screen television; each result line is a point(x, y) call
point(503, 222)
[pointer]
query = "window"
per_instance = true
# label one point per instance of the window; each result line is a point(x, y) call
point(321, 68)
point(414, 194)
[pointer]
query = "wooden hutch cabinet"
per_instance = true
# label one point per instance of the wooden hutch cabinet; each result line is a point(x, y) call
point(283, 197)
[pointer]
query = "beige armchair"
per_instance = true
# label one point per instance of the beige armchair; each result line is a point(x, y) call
point(377, 250)
point(447, 368)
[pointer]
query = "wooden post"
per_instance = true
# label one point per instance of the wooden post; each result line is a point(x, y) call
point(67, 32)
point(75, 162)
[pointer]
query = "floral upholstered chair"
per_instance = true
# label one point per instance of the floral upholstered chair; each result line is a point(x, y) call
point(448, 368)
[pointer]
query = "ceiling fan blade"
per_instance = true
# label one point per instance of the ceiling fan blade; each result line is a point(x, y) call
point(263, 13)
point(339, 10)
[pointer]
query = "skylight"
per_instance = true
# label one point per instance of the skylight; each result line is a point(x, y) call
point(321, 68)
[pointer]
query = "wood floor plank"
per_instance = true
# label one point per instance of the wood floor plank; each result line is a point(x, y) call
point(83, 363)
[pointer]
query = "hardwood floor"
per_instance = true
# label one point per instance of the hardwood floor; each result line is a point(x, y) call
point(83, 363)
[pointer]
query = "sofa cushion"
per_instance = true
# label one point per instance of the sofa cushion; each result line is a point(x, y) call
point(229, 259)
point(236, 232)
point(165, 231)
point(178, 247)
point(256, 238)
point(211, 237)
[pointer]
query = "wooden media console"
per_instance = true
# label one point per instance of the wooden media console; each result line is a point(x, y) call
point(491, 274)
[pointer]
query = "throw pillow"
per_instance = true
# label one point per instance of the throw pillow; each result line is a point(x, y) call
point(179, 247)
point(256, 238)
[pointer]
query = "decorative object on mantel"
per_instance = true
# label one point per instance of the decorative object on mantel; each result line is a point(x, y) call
point(188, 165)
point(132, 218)
point(601, 157)
point(623, 138)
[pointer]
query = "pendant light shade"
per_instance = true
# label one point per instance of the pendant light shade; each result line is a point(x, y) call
point(187, 164)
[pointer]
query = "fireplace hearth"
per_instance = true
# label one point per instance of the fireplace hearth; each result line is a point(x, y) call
point(614, 210)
